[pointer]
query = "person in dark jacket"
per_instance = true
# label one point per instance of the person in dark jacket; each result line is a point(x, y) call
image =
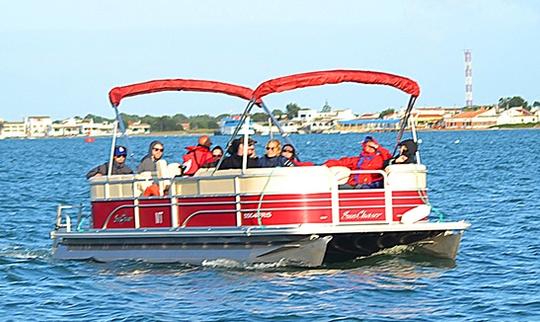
point(217, 153)
point(273, 157)
point(118, 166)
point(371, 157)
point(236, 152)
point(155, 153)
point(407, 153)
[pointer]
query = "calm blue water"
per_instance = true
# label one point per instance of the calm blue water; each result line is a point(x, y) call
point(490, 178)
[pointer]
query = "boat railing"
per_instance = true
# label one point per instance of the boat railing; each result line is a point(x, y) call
point(63, 217)
point(236, 202)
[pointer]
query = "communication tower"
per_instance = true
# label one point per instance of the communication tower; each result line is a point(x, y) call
point(468, 78)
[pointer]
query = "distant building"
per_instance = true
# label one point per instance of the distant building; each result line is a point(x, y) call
point(462, 120)
point(186, 126)
point(517, 115)
point(12, 130)
point(138, 128)
point(433, 117)
point(368, 125)
point(38, 126)
point(68, 127)
point(228, 124)
point(96, 129)
point(486, 119)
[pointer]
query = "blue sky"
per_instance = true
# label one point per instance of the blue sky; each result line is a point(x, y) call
point(60, 58)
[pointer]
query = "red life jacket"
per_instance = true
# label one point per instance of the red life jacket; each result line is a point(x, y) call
point(195, 158)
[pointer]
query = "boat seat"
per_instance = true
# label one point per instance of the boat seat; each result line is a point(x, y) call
point(144, 180)
point(406, 176)
point(312, 179)
point(163, 174)
point(119, 186)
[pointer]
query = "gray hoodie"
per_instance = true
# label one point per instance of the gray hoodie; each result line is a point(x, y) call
point(147, 164)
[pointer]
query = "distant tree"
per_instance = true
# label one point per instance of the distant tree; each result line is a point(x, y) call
point(277, 112)
point(259, 117)
point(222, 116)
point(516, 101)
point(326, 108)
point(204, 121)
point(536, 104)
point(96, 118)
point(292, 110)
point(388, 111)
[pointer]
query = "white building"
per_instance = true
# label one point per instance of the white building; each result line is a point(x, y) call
point(38, 126)
point(138, 128)
point(69, 127)
point(12, 130)
point(96, 129)
point(517, 115)
point(306, 115)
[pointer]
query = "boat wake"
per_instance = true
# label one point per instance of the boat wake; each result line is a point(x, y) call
point(232, 264)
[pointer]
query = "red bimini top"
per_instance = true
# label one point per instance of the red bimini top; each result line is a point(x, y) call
point(287, 83)
point(118, 93)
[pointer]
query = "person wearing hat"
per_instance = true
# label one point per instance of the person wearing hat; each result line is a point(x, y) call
point(118, 165)
point(236, 153)
point(371, 157)
point(197, 155)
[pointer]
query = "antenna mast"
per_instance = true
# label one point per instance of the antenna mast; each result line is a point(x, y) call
point(468, 78)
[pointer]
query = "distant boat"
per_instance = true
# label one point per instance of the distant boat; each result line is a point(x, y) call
point(88, 138)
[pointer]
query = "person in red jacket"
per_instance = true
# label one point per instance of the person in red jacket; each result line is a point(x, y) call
point(197, 155)
point(372, 157)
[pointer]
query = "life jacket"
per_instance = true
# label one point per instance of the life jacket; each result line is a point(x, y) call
point(195, 158)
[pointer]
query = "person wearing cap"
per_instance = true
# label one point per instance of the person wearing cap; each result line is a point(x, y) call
point(155, 153)
point(272, 157)
point(236, 153)
point(118, 165)
point(197, 155)
point(371, 157)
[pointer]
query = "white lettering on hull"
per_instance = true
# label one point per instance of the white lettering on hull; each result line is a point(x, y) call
point(251, 215)
point(361, 215)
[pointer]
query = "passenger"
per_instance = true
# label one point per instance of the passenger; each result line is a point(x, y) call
point(118, 166)
point(217, 153)
point(236, 152)
point(273, 157)
point(197, 155)
point(407, 153)
point(155, 153)
point(372, 157)
point(289, 152)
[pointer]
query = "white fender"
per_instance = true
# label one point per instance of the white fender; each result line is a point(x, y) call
point(415, 214)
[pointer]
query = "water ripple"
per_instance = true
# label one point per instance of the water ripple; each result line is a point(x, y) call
point(486, 179)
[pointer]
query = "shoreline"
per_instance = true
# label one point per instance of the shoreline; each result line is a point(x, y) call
point(211, 133)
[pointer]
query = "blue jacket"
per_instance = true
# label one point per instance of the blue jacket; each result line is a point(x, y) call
point(277, 161)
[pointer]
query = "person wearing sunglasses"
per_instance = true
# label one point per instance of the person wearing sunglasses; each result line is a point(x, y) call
point(289, 152)
point(148, 162)
point(273, 158)
point(371, 157)
point(118, 166)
